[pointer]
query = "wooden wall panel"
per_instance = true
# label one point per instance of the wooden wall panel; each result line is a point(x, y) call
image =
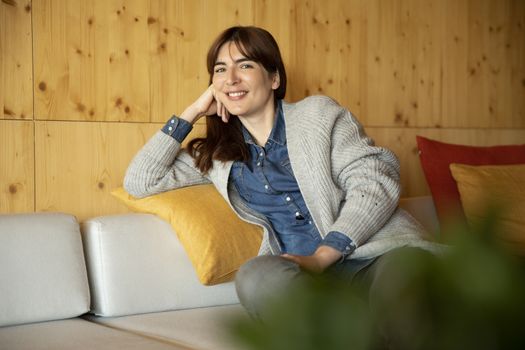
point(78, 164)
point(91, 60)
point(16, 99)
point(484, 64)
point(16, 166)
point(403, 62)
point(328, 58)
point(403, 142)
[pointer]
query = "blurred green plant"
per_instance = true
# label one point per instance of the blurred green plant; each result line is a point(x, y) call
point(471, 297)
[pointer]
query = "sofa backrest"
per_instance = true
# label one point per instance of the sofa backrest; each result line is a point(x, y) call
point(423, 210)
point(136, 264)
point(42, 269)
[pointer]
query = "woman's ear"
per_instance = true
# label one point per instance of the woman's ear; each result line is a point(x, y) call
point(276, 80)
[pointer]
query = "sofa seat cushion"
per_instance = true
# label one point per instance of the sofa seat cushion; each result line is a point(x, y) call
point(201, 328)
point(136, 264)
point(42, 270)
point(75, 334)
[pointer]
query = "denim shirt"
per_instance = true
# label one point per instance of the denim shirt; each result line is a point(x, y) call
point(267, 185)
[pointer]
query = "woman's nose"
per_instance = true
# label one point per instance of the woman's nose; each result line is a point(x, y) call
point(232, 77)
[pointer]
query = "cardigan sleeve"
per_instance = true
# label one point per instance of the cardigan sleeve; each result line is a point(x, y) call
point(369, 177)
point(161, 165)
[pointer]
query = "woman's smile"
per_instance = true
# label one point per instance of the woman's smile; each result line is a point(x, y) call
point(236, 95)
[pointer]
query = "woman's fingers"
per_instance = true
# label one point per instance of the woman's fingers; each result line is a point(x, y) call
point(225, 114)
point(221, 109)
point(219, 106)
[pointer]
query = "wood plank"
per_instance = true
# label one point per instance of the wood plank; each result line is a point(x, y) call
point(402, 43)
point(90, 60)
point(16, 167)
point(403, 142)
point(484, 64)
point(329, 57)
point(16, 82)
point(79, 163)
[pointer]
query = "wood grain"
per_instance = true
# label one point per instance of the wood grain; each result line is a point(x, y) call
point(484, 64)
point(16, 166)
point(401, 41)
point(79, 163)
point(328, 58)
point(16, 99)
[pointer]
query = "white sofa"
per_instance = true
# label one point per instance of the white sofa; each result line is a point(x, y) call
point(121, 281)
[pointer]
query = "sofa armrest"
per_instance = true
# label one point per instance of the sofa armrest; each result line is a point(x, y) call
point(42, 270)
point(136, 265)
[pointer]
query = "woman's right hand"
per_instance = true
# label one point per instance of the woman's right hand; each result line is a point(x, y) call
point(206, 104)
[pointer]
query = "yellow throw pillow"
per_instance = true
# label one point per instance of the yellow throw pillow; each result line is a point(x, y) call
point(498, 186)
point(216, 240)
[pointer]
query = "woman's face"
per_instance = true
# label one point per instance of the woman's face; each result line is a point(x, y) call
point(242, 85)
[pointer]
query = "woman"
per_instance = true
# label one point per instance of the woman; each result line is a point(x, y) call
point(306, 172)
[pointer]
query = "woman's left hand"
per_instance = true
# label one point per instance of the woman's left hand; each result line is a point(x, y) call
point(323, 257)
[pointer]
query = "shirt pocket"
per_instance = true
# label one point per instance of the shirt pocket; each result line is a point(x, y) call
point(237, 176)
point(285, 163)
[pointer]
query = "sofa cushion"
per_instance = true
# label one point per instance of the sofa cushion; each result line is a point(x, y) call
point(42, 271)
point(75, 334)
point(436, 158)
point(136, 264)
point(216, 240)
point(499, 188)
point(200, 328)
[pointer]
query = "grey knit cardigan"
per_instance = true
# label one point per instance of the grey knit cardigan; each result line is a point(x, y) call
point(349, 185)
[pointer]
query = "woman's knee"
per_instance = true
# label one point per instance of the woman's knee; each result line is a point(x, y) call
point(262, 278)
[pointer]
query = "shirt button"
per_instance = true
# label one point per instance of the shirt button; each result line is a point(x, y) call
point(172, 121)
point(266, 186)
point(258, 163)
point(170, 128)
point(310, 222)
point(288, 199)
point(261, 154)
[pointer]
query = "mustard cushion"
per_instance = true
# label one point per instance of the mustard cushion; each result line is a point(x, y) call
point(500, 186)
point(215, 239)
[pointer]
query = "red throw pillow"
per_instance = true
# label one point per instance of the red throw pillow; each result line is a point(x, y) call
point(436, 158)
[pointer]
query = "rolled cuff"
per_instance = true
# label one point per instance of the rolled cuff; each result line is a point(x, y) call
point(341, 242)
point(177, 128)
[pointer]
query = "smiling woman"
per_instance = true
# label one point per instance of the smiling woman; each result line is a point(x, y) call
point(324, 194)
point(247, 78)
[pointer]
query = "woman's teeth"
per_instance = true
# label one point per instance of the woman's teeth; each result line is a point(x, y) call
point(236, 94)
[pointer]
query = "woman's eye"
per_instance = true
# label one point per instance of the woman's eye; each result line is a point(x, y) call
point(219, 70)
point(246, 65)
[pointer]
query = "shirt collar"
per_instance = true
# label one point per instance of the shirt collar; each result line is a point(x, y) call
point(278, 133)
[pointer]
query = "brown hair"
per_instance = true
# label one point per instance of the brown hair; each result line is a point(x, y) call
point(224, 141)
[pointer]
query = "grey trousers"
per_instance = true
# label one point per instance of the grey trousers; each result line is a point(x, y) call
point(264, 277)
